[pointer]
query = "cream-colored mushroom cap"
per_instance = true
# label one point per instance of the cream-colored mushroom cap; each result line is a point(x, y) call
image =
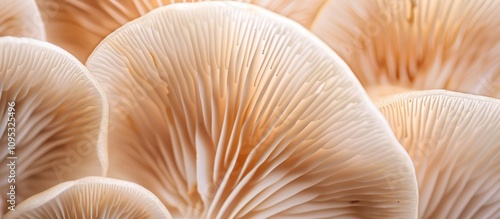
point(416, 44)
point(21, 18)
point(92, 197)
point(454, 142)
point(56, 122)
point(227, 110)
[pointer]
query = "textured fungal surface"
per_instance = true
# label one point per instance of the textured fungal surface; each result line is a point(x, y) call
point(225, 110)
point(416, 44)
point(92, 197)
point(454, 142)
point(78, 26)
point(54, 126)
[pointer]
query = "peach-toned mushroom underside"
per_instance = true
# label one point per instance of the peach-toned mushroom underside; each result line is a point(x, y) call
point(416, 44)
point(226, 110)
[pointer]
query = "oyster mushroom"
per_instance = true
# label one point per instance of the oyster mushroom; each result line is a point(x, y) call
point(401, 45)
point(53, 116)
point(226, 110)
point(92, 197)
point(21, 18)
point(454, 142)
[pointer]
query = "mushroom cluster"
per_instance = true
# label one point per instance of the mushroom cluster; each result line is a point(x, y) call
point(259, 109)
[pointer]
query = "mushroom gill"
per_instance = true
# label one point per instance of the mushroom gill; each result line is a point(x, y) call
point(56, 123)
point(226, 110)
point(416, 44)
point(92, 197)
point(454, 142)
point(21, 18)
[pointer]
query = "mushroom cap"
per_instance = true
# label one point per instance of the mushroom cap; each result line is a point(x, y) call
point(92, 197)
point(21, 18)
point(417, 44)
point(227, 110)
point(59, 119)
point(454, 142)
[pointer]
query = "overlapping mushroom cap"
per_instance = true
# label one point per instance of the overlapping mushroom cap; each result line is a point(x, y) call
point(92, 197)
point(57, 122)
point(21, 18)
point(78, 26)
point(399, 45)
point(226, 110)
point(454, 142)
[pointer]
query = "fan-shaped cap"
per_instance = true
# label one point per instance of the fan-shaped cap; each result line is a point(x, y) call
point(227, 110)
point(53, 116)
point(454, 142)
point(21, 18)
point(417, 44)
point(92, 197)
